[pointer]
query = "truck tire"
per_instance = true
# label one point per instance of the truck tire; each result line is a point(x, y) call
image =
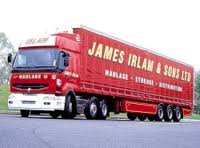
point(160, 113)
point(69, 110)
point(54, 114)
point(151, 117)
point(24, 113)
point(103, 110)
point(91, 110)
point(142, 117)
point(177, 114)
point(131, 116)
point(34, 112)
point(168, 115)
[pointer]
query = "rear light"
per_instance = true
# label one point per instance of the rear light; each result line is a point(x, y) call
point(58, 82)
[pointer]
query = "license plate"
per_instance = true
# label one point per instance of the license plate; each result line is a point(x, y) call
point(28, 102)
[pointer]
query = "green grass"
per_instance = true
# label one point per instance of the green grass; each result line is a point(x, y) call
point(120, 115)
point(4, 92)
point(194, 116)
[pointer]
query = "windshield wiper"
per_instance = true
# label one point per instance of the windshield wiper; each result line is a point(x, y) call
point(22, 67)
point(43, 66)
point(29, 67)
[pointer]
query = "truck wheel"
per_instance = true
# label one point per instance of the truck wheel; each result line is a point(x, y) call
point(68, 112)
point(160, 113)
point(177, 114)
point(54, 114)
point(168, 115)
point(131, 116)
point(91, 110)
point(103, 110)
point(142, 117)
point(24, 113)
point(151, 117)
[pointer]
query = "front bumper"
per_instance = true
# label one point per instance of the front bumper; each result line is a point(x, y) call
point(40, 102)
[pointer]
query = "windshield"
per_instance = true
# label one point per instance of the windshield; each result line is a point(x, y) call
point(37, 58)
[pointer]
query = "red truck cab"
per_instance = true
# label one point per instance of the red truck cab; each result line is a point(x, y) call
point(41, 74)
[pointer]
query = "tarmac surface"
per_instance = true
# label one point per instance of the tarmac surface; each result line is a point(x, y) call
point(45, 132)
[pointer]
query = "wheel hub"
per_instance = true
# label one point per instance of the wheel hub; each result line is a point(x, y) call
point(160, 113)
point(70, 107)
point(93, 109)
point(178, 114)
point(104, 110)
point(170, 114)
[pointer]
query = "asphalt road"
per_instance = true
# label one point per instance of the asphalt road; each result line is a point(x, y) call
point(44, 132)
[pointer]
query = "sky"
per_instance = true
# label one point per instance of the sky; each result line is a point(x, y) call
point(169, 27)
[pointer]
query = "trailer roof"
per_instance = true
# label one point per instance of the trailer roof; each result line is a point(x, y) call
point(131, 44)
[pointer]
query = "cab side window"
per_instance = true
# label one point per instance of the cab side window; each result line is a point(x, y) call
point(63, 60)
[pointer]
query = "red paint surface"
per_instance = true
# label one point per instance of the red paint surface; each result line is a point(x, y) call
point(138, 107)
point(186, 112)
point(92, 79)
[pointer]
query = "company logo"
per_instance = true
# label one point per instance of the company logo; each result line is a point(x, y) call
point(41, 41)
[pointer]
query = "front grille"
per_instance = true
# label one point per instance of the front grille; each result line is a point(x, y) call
point(30, 86)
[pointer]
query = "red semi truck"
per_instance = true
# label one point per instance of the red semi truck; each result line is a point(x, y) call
point(88, 72)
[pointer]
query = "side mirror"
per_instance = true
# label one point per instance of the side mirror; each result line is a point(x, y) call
point(9, 58)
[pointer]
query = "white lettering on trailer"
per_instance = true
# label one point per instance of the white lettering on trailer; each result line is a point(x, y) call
point(170, 87)
point(41, 41)
point(115, 74)
point(144, 81)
